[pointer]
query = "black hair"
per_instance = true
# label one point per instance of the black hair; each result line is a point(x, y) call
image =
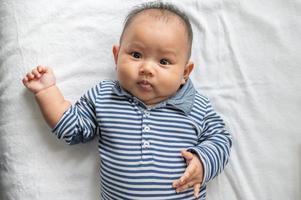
point(162, 6)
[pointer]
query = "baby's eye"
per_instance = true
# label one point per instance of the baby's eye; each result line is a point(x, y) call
point(164, 62)
point(136, 55)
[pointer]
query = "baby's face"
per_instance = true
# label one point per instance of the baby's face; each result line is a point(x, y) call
point(151, 61)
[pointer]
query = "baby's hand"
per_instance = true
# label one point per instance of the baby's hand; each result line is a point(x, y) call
point(39, 78)
point(193, 175)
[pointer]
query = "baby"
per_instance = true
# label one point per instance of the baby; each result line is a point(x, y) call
point(158, 137)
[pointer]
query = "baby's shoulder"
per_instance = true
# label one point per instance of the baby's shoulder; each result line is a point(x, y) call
point(200, 107)
point(201, 100)
point(105, 85)
point(102, 87)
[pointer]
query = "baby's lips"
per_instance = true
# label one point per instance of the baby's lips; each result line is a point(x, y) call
point(144, 82)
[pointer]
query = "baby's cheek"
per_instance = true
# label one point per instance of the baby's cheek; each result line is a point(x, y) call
point(171, 85)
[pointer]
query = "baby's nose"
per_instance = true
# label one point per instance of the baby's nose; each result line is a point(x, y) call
point(147, 68)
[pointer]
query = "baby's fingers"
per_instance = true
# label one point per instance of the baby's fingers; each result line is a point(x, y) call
point(184, 187)
point(196, 189)
point(36, 73)
point(30, 76)
point(25, 80)
point(41, 69)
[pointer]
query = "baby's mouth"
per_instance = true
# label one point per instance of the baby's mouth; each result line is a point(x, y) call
point(145, 85)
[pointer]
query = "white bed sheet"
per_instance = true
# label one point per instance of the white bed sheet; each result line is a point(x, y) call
point(248, 59)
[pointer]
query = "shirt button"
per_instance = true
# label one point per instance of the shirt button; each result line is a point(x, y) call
point(147, 113)
point(146, 129)
point(146, 144)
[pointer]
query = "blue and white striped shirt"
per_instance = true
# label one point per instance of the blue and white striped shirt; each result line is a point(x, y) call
point(140, 147)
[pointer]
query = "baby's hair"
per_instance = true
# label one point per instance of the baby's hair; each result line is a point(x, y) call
point(162, 6)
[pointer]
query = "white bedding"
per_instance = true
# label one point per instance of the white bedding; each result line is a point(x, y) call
point(248, 62)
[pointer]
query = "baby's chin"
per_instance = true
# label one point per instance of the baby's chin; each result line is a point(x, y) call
point(147, 94)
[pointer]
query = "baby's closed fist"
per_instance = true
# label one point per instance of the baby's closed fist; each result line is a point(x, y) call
point(39, 79)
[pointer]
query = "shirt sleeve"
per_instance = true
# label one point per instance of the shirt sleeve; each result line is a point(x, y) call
point(214, 145)
point(78, 124)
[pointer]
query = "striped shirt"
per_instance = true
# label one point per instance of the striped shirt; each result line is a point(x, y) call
point(140, 147)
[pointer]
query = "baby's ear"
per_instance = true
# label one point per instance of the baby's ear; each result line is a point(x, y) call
point(188, 69)
point(115, 53)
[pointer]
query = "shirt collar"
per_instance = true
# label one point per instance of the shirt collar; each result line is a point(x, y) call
point(182, 100)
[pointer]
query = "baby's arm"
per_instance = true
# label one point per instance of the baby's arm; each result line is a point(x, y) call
point(209, 157)
point(41, 81)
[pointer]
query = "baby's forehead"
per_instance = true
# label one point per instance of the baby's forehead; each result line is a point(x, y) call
point(159, 14)
point(164, 17)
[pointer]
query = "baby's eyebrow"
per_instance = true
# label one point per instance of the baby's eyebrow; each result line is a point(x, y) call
point(135, 44)
point(168, 52)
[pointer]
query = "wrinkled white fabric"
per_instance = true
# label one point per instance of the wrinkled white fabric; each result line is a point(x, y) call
point(247, 57)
